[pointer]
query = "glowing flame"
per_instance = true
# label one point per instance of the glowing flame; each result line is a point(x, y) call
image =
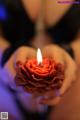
point(39, 56)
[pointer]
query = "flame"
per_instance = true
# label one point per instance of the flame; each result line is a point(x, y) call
point(39, 56)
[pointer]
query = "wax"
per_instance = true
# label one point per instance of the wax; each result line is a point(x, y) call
point(39, 78)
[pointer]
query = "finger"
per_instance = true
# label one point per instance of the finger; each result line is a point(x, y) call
point(21, 54)
point(70, 73)
point(52, 101)
point(24, 53)
point(48, 94)
point(54, 52)
point(51, 97)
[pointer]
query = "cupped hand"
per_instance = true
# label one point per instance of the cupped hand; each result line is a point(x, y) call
point(23, 53)
point(60, 56)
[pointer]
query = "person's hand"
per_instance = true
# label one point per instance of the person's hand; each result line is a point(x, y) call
point(60, 56)
point(23, 53)
point(76, 48)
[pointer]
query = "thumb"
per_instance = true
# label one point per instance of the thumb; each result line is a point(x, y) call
point(24, 53)
point(70, 74)
point(54, 52)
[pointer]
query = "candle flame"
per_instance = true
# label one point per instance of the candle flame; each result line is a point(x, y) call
point(39, 56)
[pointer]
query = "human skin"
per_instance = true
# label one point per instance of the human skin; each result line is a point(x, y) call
point(53, 11)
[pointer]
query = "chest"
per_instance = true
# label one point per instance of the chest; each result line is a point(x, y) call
point(51, 10)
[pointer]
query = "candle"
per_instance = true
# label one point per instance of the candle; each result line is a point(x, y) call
point(39, 56)
point(39, 76)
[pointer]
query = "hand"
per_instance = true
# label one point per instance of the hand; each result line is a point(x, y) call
point(22, 54)
point(76, 48)
point(61, 56)
point(58, 54)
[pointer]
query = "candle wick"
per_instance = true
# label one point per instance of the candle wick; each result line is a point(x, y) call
point(40, 64)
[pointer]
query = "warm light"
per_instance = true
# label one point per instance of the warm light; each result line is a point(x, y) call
point(39, 56)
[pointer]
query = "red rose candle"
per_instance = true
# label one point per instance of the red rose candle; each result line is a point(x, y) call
point(39, 76)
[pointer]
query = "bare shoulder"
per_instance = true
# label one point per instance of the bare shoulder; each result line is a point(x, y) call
point(76, 48)
point(32, 7)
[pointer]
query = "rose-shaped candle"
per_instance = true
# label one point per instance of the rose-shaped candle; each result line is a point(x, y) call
point(39, 76)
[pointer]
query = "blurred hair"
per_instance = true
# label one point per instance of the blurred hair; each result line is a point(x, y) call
point(18, 26)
